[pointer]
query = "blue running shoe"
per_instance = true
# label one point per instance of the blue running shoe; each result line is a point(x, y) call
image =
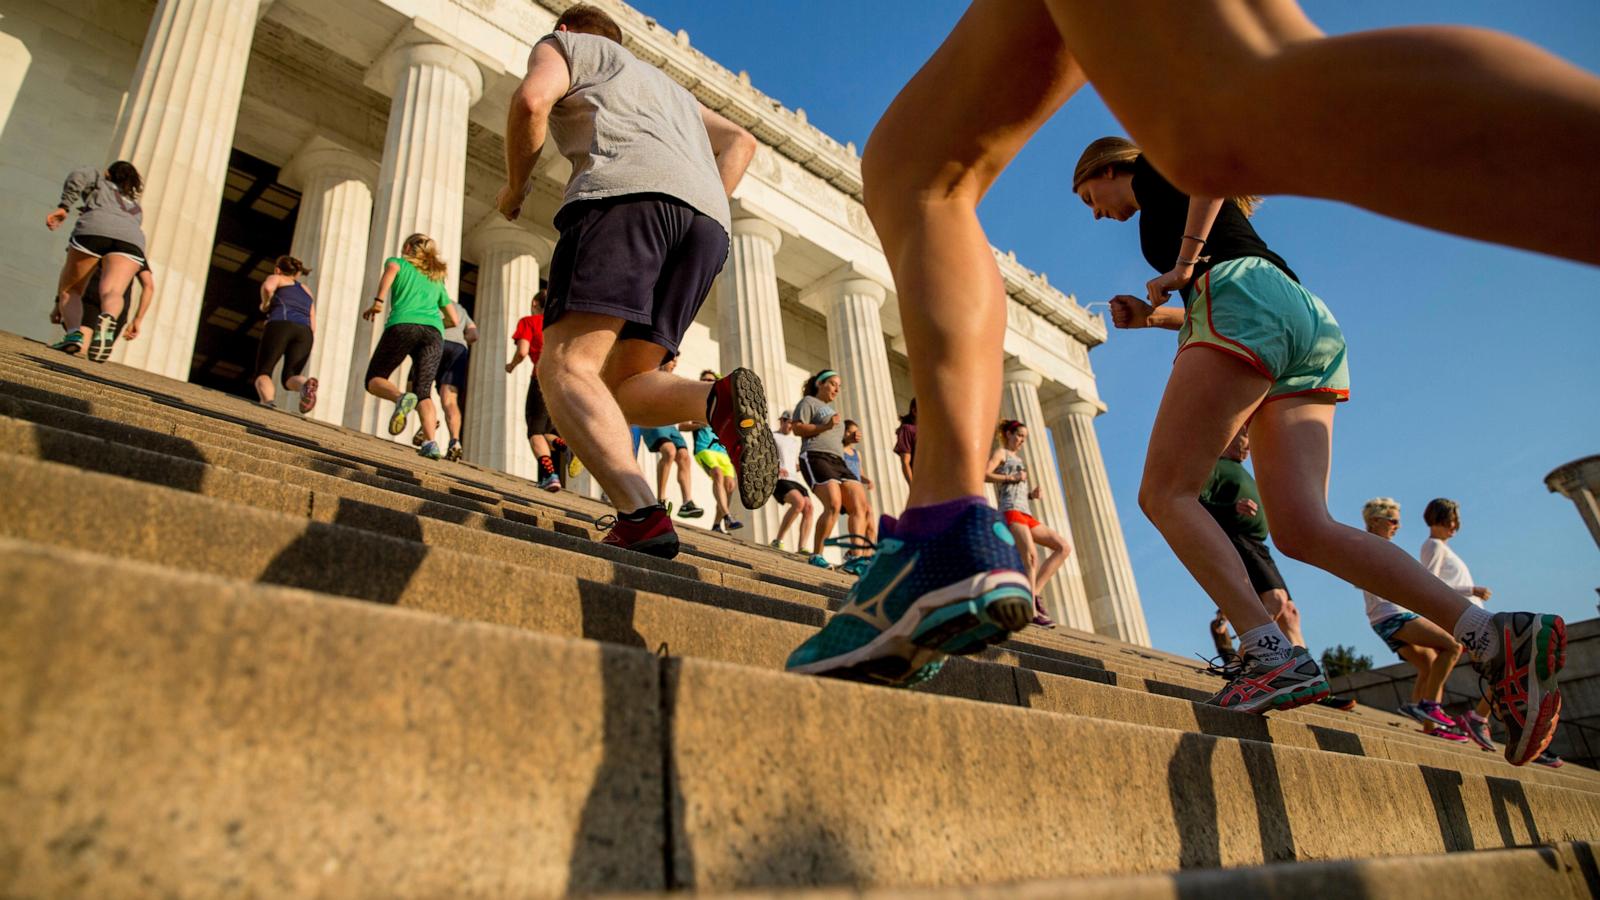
point(402, 408)
point(954, 593)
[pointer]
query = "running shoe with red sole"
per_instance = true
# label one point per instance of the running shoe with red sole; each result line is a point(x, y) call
point(737, 411)
point(1262, 687)
point(1523, 689)
point(653, 536)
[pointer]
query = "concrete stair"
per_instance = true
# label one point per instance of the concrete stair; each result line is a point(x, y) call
point(194, 700)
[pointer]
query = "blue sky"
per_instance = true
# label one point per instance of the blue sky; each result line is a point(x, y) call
point(1473, 367)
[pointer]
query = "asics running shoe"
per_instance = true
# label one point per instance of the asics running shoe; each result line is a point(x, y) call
point(654, 535)
point(71, 343)
point(1477, 728)
point(1261, 687)
point(103, 338)
point(1523, 691)
point(402, 408)
point(955, 593)
point(737, 412)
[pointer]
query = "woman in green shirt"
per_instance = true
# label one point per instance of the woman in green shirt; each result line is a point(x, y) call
point(412, 286)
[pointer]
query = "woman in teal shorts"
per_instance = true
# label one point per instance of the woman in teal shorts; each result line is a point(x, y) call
point(1270, 354)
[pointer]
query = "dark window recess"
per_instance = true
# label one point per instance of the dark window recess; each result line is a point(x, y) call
point(255, 226)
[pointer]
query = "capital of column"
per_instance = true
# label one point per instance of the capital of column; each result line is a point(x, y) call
point(493, 233)
point(760, 228)
point(847, 281)
point(385, 74)
point(1018, 372)
point(319, 156)
point(1074, 403)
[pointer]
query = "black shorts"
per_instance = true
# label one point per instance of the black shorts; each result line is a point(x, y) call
point(453, 365)
point(288, 341)
point(647, 259)
point(1258, 564)
point(423, 343)
point(785, 486)
point(100, 247)
point(535, 413)
point(821, 468)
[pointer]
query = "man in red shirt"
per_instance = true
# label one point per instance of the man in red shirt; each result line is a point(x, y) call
point(529, 339)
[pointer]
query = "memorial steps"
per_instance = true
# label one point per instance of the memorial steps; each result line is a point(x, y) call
point(191, 703)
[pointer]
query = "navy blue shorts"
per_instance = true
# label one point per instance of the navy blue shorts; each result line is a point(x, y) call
point(453, 365)
point(647, 259)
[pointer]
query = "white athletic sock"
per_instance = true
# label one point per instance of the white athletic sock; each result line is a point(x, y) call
point(1475, 630)
point(1266, 644)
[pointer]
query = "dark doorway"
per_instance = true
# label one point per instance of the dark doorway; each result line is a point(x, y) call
point(255, 227)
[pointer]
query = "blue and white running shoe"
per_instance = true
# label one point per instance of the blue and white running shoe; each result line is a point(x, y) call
point(954, 593)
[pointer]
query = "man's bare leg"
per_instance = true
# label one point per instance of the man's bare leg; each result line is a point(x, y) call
point(999, 76)
point(1279, 108)
point(575, 351)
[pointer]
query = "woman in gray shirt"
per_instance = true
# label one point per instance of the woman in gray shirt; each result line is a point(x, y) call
point(109, 233)
point(821, 429)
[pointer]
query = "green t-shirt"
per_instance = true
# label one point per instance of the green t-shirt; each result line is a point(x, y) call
point(414, 299)
point(1231, 482)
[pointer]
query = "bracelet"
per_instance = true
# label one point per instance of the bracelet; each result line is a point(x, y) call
point(1189, 262)
point(1198, 240)
point(378, 300)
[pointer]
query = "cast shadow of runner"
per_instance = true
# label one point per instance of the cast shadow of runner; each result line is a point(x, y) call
point(613, 850)
point(332, 558)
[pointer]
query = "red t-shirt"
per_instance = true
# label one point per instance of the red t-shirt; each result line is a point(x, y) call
point(531, 329)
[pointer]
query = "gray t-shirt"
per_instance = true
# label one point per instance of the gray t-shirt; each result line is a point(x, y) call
point(812, 411)
point(629, 129)
point(103, 211)
point(458, 331)
point(1012, 496)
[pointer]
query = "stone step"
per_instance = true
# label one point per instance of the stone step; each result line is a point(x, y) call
point(1194, 687)
point(1566, 871)
point(354, 748)
point(258, 455)
point(1132, 665)
point(266, 531)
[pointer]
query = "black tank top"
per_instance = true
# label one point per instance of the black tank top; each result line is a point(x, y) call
point(1163, 212)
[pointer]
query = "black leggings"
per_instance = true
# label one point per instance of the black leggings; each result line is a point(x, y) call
point(423, 343)
point(288, 341)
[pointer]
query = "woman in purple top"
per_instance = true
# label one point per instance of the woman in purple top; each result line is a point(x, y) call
point(291, 328)
point(905, 440)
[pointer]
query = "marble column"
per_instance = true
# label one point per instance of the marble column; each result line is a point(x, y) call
point(1064, 594)
point(858, 350)
point(421, 183)
point(330, 237)
point(750, 332)
point(177, 127)
point(509, 261)
point(1103, 554)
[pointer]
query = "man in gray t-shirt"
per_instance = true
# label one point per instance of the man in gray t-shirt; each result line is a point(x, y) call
point(644, 231)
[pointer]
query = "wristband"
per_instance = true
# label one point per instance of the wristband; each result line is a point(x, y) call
point(378, 300)
point(1189, 262)
point(1198, 240)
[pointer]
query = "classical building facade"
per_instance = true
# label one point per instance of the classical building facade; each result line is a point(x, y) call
point(333, 130)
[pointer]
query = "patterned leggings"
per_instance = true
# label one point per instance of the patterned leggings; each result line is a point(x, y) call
point(423, 343)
